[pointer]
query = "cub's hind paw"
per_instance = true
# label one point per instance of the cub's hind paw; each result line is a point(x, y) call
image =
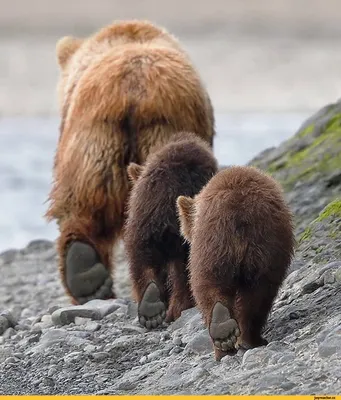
point(151, 310)
point(224, 331)
point(86, 277)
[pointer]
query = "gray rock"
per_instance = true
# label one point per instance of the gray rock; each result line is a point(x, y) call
point(131, 310)
point(177, 341)
point(10, 332)
point(10, 317)
point(67, 315)
point(4, 324)
point(94, 309)
point(200, 344)
point(328, 277)
point(338, 275)
point(330, 343)
point(99, 356)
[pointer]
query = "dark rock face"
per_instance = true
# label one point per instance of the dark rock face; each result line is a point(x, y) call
point(99, 347)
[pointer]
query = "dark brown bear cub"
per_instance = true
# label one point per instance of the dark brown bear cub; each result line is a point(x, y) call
point(156, 251)
point(241, 239)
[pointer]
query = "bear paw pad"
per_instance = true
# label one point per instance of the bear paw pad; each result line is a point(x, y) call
point(151, 310)
point(223, 329)
point(86, 277)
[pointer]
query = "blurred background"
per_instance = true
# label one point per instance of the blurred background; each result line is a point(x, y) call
point(267, 64)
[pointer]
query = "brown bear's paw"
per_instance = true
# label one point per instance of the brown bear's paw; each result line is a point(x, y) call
point(248, 344)
point(86, 277)
point(224, 331)
point(151, 309)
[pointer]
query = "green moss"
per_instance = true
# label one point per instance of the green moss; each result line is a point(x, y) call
point(306, 131)
point(306, 235)
point(332, 209)
point(321, 156)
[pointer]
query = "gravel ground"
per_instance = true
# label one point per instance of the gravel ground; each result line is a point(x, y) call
point(99, 348)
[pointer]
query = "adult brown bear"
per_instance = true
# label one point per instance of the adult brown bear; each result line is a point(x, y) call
point(123, 90)
point(242, 242)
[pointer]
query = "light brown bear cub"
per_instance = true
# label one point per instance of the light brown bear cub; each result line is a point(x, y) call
point(123, 90)
point(241, 238)
point(157, 253)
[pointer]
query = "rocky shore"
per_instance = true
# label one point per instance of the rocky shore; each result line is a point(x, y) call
point(50, 347)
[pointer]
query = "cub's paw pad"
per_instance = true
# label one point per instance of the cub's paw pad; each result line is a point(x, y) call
point(151, 310)
point(223, 329)
point(86, 277)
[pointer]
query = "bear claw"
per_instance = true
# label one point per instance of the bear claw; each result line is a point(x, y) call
point(223, 329)
point(151, 310)
point(86, 277)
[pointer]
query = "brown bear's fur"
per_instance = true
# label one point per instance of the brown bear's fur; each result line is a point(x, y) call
point(121, 91)
point(242, 242)
point(156, 251)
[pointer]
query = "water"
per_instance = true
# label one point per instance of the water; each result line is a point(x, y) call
point(27, 147)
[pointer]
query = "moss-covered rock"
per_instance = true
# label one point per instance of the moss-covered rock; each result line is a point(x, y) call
point(308, 165)
point(321, 240)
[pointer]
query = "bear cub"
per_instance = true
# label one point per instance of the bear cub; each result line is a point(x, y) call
point(156, 251)
point(241, 237)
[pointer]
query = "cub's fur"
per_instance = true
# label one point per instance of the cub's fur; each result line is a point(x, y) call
point(123, 90)
point(156, 251)
point(242, 242)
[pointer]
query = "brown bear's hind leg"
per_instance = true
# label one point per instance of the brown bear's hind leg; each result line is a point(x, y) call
point(86, 277)
point(181, 298)
point(85, 260)
point(216, 302)
point(253, 310)
point(223, 330)
point(151, 309)
point(150, 292)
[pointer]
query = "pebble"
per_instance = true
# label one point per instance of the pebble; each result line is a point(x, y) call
point(257, 356)
point(330, 344)
point(81, 321)
point(52, 371)
point(10, 317)
point(4, 324)
point(10, 332)
point(177, 341)
point(328, 277)
point(293, 315)
point(90, 348)
point(131, 311)
point(72, 357)
point(184, 319)
point(11, 360)
point(22, 327)
point(52, 309)
point(176, 350)
point(100, 356)
point(164, 336)
point(143, 360)
point(92, 326)
point(338, 275)
point(47, 319)
point(26, 313)
point(311, 287)
point(200, 344)
point(67, 315)
point(94, 309)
